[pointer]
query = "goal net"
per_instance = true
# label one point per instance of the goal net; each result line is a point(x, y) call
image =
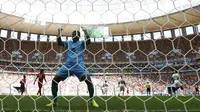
point(139, 42)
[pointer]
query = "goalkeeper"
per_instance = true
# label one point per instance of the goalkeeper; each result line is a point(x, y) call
point(74, 65)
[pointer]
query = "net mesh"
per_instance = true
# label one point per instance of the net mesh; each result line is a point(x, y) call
point(141, 40)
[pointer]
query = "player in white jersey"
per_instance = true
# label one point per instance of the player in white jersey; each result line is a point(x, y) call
point(121, 85)
point(176, 79)
point(104, 88)
point(177, 83)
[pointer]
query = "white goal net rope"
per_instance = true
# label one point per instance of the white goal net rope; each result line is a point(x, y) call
point(144, 41)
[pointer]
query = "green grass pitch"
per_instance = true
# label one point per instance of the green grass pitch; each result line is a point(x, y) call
point(12, 103)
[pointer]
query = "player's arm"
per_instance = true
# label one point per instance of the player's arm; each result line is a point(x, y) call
point(45, 78)
point(87, 37)
point(59, 41)
point(35, 79)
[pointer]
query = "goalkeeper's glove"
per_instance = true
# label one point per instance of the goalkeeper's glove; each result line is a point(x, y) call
point(60, 32)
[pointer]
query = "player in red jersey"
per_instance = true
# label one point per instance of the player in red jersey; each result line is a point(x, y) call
point(22, 83)
point(197, 89)
point(40, 77)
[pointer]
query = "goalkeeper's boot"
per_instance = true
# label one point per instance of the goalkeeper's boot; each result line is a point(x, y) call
point(94, 103)
point(52, 104)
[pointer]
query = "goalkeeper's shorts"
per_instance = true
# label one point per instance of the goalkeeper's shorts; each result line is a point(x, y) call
point(68, 70)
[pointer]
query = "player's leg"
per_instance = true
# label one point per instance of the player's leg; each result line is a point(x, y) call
point(169, 89)
point(148, 92)
point(61, 75)
point(39, 86)
point(123, 91)
point(103, 92)
point(81, 72)
point(54, 90)
point(120, 89)
point(22, 89)
point(181, 86)
point(39, 90)
point(90, 86)
point(54, 87)
point(195, 91)
point(182, 90)
point(174, 89)
point(106, 91)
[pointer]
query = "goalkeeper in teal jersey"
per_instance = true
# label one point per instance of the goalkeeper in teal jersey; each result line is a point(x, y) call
point(74, 65)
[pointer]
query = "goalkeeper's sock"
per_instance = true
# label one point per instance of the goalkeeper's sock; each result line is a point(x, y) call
point(90, 89)
point(54, 90)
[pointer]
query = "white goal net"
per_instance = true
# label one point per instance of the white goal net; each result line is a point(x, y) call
point(143, 42)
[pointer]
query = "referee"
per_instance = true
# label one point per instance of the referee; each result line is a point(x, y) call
point(148, 88)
